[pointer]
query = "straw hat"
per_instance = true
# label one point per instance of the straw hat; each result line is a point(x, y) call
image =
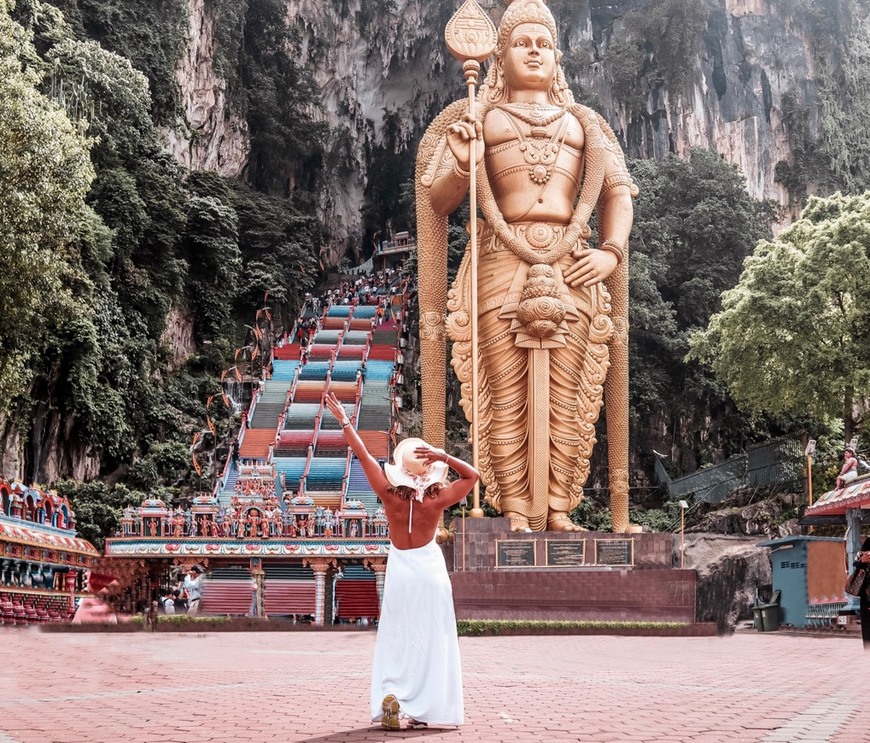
point(408, 471)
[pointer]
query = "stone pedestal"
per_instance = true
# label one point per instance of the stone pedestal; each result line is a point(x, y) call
point(487, 544)
point(499, 574)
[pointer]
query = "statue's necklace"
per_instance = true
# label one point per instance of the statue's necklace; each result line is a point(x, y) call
point(534, 114)
point(540, 155)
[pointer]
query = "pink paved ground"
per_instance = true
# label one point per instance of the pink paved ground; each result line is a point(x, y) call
point(314, 687)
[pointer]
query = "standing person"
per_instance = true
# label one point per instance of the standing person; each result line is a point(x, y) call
point(255, 588)
point(151, 617)
point(193, 589)
point(862, 560)
point(416, 668)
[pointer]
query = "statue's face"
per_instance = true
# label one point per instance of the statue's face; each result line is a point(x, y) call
point(530, 58)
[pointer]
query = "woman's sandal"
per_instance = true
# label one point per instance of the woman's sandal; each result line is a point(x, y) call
point(390, 716)
point(417, 725)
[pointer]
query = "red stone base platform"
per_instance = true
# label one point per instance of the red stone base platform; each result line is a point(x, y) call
point(497, 574)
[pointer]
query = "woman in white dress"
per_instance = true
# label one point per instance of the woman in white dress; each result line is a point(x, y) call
point(416, 670)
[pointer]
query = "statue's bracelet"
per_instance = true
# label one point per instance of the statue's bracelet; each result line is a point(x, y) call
point(613, 247)
point(464, 174)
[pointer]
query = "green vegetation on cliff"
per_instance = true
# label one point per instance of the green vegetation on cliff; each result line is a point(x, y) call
point(110, 242)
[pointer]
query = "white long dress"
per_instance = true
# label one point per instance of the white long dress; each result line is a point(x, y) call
point(417, 650)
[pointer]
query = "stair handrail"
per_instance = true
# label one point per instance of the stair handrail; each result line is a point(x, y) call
point(303, 480)
point(345, 481)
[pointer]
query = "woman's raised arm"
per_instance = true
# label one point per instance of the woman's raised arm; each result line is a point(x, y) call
point(370, 465)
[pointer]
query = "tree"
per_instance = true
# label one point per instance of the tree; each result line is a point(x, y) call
point(45, 173)
point(694, 225)
point(212, 246)
point(98, 507)
point(791, 337)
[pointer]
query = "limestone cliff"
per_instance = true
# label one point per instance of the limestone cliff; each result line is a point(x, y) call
point(208, 134)
point(748, 58)
point(374, 58)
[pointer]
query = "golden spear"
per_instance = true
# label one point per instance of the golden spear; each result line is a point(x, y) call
point(471, 38)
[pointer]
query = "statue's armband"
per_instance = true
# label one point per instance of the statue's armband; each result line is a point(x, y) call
point(440, 163)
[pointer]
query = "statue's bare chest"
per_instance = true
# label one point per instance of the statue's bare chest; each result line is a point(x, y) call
point(532, 148)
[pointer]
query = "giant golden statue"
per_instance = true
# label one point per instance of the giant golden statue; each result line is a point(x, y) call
point(551, 323)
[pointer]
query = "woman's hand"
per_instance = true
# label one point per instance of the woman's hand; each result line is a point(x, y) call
point(336, 408)
point(459, 137)
point(591, 266)
point(429, 455)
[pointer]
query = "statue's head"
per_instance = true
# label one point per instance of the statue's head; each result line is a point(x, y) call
point(530, 19)
point(519, 12)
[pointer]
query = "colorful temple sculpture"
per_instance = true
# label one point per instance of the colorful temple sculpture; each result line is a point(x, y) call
point(44, 567)
point(292, 528)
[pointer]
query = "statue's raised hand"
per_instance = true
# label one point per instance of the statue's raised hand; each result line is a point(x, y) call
point(590, 267)
point(459, 137)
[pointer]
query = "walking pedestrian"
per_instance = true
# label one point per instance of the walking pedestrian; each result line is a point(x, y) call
point(862, 560)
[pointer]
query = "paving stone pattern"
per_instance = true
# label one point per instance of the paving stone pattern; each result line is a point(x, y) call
point(313, 687)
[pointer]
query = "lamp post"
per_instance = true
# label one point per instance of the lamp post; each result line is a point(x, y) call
point(808, 453)
point(683, 506)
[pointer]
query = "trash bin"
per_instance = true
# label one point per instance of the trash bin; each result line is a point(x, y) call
point(769, 617)
point(758, 618)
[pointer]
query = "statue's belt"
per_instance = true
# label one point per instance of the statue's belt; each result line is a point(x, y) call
point(538, 303)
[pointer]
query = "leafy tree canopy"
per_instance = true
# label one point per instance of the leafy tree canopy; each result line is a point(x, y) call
point(792, 335)
point(45, 173)
point(694, 223)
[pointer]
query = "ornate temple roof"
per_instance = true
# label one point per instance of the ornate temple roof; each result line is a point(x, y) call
point(837, 502)
point(34, 535)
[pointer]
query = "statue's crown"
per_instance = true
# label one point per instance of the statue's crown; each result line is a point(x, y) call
point(523, 11)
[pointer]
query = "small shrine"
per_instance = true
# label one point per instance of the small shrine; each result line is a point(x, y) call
point(44, 566)
point(155, 519)
point(849, 505)
point(204, 516)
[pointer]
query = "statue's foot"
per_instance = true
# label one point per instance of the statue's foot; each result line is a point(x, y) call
point(518, 522)
point(559, 521)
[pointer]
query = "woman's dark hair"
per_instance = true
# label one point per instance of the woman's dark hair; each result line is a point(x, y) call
point(406, 493)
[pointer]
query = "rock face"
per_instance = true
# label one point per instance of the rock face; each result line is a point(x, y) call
point(208, 135)
point(178, 338)
point(372, 66)
point(380, 60)
point(743, 514)
point(10, 449)
point(730, 571)
point(748, 58)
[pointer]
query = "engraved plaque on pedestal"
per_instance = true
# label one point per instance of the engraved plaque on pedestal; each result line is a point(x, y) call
point(565, 553)
point(515, 553)
point(614, 552)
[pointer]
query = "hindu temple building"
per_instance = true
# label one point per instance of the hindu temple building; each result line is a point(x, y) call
point(43, 564)
point(292, 527)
